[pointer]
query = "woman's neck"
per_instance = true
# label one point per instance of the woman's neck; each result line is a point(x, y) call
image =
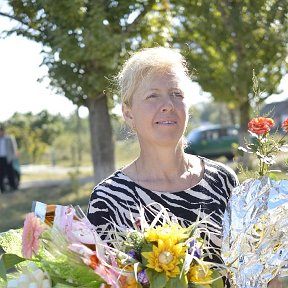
point(164, 164)
point(165, 169)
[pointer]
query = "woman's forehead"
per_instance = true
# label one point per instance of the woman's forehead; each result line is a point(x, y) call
point(156, 79)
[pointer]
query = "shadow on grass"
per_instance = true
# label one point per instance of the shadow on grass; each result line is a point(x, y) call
point(15, 205)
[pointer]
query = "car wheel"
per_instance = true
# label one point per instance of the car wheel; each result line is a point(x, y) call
point(230, 157)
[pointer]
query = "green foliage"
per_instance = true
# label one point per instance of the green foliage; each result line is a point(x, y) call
point(83, 44)
point(159, 280)
point(34, 133)
point(224, 41)
point(69, 141)
point(83, 40)
point(63, 265)
point(177, 282)
point(126, 151)
point(72, 146)
point(8, 261)
point(217, 283)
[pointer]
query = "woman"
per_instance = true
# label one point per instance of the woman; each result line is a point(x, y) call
point(155, 89)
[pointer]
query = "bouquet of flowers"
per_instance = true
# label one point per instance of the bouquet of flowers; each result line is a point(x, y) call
point(255, 222)
point(58, 247)
point(165, 255)
point(266, 146)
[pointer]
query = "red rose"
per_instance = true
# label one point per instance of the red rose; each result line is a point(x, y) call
point(261, 125)
point(285, 125)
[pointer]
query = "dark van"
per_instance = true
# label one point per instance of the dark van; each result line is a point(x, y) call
point(212, 141)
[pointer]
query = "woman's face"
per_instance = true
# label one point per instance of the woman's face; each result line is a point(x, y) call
point(159, 110)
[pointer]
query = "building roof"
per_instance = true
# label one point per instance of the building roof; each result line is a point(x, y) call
point(276, 110)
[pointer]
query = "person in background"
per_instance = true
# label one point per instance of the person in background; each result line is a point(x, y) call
point(8, 152)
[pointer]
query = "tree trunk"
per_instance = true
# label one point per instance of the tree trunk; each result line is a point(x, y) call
point(78, 137)
point(102, 144)
point(233, 115)
point(244, 110)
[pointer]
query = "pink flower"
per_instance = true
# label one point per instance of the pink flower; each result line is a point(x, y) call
point(32, 230)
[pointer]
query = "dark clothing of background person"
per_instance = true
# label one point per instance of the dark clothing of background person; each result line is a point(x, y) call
point(8, 152)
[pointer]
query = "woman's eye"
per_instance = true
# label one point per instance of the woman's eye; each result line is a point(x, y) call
point(151, 96)
point(178, 94)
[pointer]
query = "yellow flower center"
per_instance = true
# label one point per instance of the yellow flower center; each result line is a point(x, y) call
point(165, 257)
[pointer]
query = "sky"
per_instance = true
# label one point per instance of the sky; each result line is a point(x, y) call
point(20, 91)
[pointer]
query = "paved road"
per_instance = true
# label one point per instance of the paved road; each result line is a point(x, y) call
point(36, 169)
point(48, 183)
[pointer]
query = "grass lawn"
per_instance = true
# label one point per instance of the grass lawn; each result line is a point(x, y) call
point(15, 205)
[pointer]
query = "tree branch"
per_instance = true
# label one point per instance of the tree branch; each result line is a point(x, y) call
point(139, 18)
point(12, 17)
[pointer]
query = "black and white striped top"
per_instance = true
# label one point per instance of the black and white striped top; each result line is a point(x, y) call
point(118, 196)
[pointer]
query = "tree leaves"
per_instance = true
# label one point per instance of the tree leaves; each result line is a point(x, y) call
point(225, 41)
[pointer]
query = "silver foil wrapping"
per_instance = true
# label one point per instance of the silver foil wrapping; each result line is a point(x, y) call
point(255, 246)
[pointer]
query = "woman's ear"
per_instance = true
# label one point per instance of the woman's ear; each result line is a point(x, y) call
point(127, 114)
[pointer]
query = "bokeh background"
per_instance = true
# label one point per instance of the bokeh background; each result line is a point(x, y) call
point(59, 100)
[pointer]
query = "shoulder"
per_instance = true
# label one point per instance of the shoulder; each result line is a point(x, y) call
point(221, 169)
point(9, 138)
point(112, 184)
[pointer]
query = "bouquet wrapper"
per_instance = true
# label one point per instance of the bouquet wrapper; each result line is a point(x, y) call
point(70, 220)
point(255, 232)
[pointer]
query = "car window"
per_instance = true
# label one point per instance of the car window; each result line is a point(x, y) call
point(222, 132)
point(232, 131)
point(193, 136)
point(210, 135)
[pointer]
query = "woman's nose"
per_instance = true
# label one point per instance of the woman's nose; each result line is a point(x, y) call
point(168, 105)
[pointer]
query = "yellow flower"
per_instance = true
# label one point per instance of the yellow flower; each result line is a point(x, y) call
point(129, 281)
point(166, 257)
point(199, 274)
point(173, 232)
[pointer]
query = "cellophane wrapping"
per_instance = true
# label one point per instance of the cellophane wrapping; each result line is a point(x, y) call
point(255, 246)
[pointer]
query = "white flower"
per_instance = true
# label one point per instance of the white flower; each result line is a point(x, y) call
point(284, 148)
point(32, 277)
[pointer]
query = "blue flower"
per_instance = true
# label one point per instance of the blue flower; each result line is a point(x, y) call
point(194, 250)
point(142, 278)
point(133, 254)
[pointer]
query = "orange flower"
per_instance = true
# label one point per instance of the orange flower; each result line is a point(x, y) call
point(260, 125)
point(32, 230)
point(94, 262)
point(285, 125)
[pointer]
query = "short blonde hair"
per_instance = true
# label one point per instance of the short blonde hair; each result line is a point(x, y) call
point(144, 63)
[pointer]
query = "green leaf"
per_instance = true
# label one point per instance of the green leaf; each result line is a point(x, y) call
point(8, 261)
point(147, 247)
point(2, 270)
point(177, 282)
point(219, 282)
point(156, 279)
point(60, 285)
